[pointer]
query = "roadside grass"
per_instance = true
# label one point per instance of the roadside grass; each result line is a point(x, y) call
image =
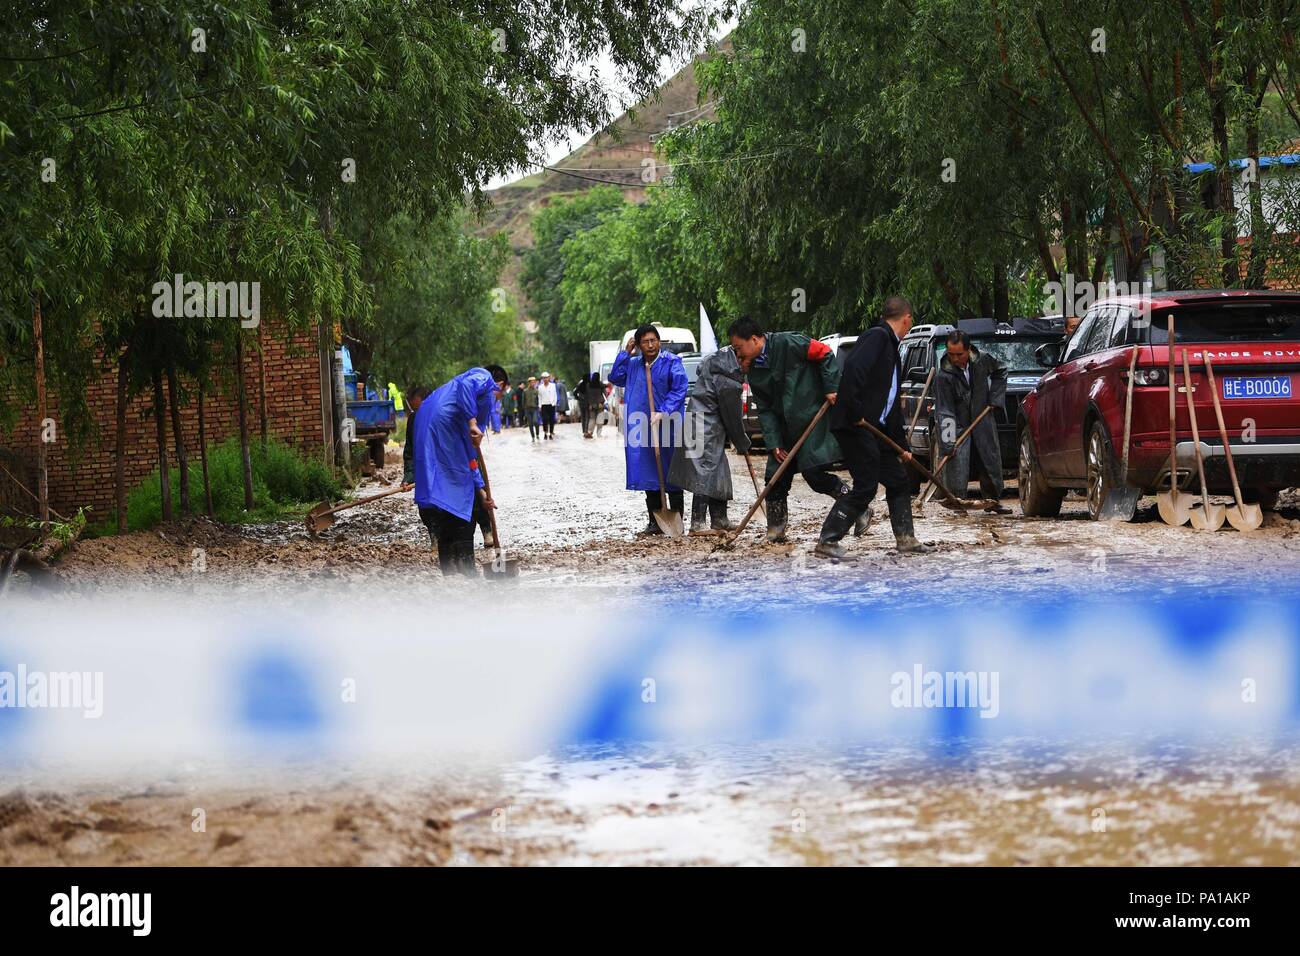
point(284, 484)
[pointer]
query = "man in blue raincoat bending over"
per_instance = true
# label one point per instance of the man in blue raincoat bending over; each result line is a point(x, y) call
point(450, 426)
point(668, 380)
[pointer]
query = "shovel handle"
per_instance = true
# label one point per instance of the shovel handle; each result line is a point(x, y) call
point(920, 404)
point(1173, 416)
point(487, 493)
point(1128, 412)
point(1223, 432)
point(1196, 433)
point(753, 476)
point(925, 473)
point(364, 501)
point(929, 488)
point(654, 439)
point(785, 465)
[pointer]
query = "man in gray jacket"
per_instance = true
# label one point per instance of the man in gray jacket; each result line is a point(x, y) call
point(968, 382)
point(713, 414)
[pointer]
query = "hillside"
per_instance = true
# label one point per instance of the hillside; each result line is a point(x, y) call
point(612, 155)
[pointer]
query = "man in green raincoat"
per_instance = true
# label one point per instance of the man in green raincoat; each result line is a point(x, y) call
point(790, 375)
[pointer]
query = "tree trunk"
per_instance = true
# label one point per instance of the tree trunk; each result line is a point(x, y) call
point(1260, 241)
point(1225, 201)
point(160, 430)
point(42, 470)
point(241, 394)
point(203, 452)
point(1001, 295)
point(119, 468)
point(182, 459)
point(261, 385)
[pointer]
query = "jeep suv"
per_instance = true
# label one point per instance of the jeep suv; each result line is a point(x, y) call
point(1013, 344)
point(1071, 427)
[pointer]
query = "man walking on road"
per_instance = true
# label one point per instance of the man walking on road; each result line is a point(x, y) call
point(547, 396)
point(791, 375)
point(447, 478)
point(668, 380)
point(714, 412)
point(968, 382)
point(869, 393)
point(529, 405)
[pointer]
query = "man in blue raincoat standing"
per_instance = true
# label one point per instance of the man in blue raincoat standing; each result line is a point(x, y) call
point(646, 426)
point(450, 426)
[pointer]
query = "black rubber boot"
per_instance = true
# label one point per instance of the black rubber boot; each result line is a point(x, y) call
point(651, 506)
point(863, 521)
point(699, 513)
point(837, 524)
point(900, 519)
point(718, 519)
point(777, 515)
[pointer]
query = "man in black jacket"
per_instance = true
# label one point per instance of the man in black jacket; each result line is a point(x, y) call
point(968, 382)
point(869, 391)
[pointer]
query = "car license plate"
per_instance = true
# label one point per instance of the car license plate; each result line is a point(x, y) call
point(1256, 386)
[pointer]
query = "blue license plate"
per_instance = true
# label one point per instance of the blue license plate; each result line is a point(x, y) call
point(1257, 386)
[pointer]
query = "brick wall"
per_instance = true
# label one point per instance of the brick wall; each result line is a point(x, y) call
point(85, 477)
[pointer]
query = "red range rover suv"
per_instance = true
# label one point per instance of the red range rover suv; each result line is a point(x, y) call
point(1071, 427)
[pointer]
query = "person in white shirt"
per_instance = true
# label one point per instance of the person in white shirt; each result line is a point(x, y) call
point(546, 399)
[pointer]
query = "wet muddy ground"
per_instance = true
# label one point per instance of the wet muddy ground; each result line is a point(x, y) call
point(564, 512)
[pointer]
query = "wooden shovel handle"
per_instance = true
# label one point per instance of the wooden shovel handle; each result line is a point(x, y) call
point(364, 501)
point(753, 476)
point(925, 472)
point(654, 439)
point(929, 488)
point(1196, 433)
point(920, 404)
point(487, 493)
point(1223, 429)
point(785, 465)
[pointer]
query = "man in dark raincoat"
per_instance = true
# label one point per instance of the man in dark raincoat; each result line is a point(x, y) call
point(791, 375)
point(714, 417)
point(968, 382)
point(643, 428)
point(449, 428)
point(869, 392)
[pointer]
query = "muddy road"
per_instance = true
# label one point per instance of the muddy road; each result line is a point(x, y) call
point(564, 512)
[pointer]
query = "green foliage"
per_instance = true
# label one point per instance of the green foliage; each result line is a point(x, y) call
point(283, 481)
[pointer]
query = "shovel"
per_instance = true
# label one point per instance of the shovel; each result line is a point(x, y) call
point(322, 516)
point(1175, 509)
point(920, 404)
point(928, 490)
point(728, 541)
point(669, 521)
point(1122, 501)
point(1244, 517)
point(1205, 516)
point(500, 566)
point(949, 499)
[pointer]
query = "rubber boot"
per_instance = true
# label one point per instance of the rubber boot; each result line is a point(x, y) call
point(777, 515)
point(900, 519)
point(653, 527)
point(863, 521)
point(699, 513)
point(837, 524)
point(718, 519)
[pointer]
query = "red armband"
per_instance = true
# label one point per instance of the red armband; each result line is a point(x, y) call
point(818, 351)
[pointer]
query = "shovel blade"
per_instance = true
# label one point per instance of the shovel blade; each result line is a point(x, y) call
point(670, 523)
point(1245, 517)
point(499, 569)
point(1210, 519)
point(1174, 511)
point(1121, 504)
point(318, 519)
